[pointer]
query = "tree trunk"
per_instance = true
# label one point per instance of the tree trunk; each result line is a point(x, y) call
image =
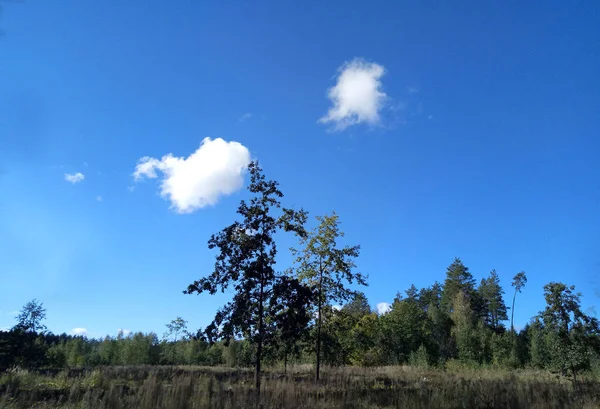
point(320, 303)
point(512, 312)
point(285, 363)
point(260, 337)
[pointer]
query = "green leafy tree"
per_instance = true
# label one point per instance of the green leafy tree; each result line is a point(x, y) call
point(291, 317)
point(246, 260)
point(175, 329)
point(464, 330)
point(518, 283)
point(442, 344)
point(31, 316)
point(404, 329)
point(491, 293)
point(327, 267)
point(363, 337)
point(573, 335)
point(539, 352)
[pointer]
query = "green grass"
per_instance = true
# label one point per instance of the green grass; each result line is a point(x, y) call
point(350, 387)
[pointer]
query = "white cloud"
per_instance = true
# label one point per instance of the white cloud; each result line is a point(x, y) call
point(4, 329)
point(78, 331)
point(99, 198)
point(125, 332)
point(215, 169)
point(357, 96)
point(383, 307)
point(245, 116)
point(74, 177)
point(336, 307)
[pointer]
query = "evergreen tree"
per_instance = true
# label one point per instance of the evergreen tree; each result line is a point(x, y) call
point(31, 316)
point(518, 283)
point(492, 295)
point(430, 296)
point(358, 307)
point(247, 261)
point(458, 278)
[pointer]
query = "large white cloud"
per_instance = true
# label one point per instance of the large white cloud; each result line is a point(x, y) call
point(74, 177)
point(357, 96)
point(215, 169)
point(383, 308)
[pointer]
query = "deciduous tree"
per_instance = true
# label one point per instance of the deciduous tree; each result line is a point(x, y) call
point(328, 268)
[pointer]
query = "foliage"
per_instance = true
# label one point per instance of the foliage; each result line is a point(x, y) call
point(519, 281)
point(491, 293)
point(572, 336)
point(31, 316)
point(246, 261)
point(355, 388)
point(327, 268)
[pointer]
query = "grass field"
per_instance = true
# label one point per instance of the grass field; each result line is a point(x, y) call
point(350, 387)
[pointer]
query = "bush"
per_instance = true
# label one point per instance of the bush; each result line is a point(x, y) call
point(419, 358)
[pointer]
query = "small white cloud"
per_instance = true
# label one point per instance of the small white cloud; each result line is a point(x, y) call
point(215, 169)
point(99, 198)
point(413, 90)
point(245, 117)
point(383, 308)
point(78, 331)
point(125, 332)
point(4, 329)
point(336, 307)
point(357, 96)
point(74, 177)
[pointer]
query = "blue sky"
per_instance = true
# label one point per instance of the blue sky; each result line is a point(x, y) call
point(435, 130)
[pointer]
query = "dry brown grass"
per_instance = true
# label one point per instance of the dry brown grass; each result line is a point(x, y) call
point(350, 387)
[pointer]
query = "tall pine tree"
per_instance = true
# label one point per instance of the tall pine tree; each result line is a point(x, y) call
point(246, 261)
point(458, 278)
point(491, 293)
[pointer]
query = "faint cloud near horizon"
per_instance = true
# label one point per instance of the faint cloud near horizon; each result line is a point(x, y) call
point(357, 97)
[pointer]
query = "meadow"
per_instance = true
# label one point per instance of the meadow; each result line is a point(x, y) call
point(185, 387)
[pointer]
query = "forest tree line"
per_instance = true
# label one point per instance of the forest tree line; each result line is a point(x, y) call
point(280, 317)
